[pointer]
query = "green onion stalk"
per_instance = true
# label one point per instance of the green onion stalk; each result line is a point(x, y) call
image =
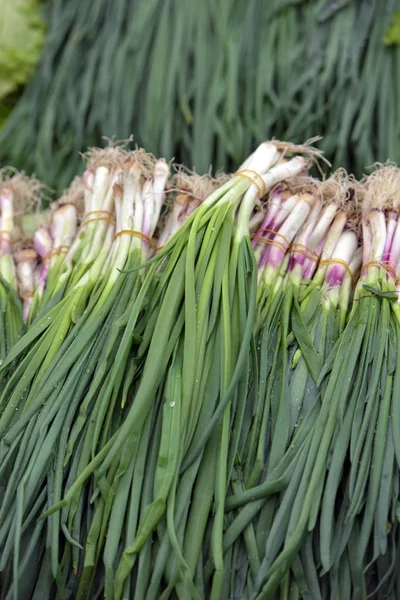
point(355, 383)
point(70, 261)
point(26, 263)
point(293, 247)
point(43, 244)
point(188, 190)
point(284, 219)
point(75, 262)
point(193, 531)
point(284, 391)
point(215, 579)
point(316, 326)
point(283, 230)
point(183, 206)
point(73, 382)
point(62, 232)
point(41, 343)
point(365, 451)
point(11, 322)
point(203, 275)
point(191, 192)
point(17, 195)
point(53, 245)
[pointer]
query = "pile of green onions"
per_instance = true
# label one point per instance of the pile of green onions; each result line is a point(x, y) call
point(199, 391)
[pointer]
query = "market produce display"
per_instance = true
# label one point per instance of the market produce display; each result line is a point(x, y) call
point(199, 381)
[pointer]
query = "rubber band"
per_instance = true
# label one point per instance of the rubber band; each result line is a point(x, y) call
point(314, 259)
point(339, 261)
point(262, 190)
point(106, 213)
point(271, 243)
point(135, 233)
point(159, 248)
point(56, 252)
point(305, 251)
point(110, 220)
point(376, 263)
point(304, 248)
point(5, 236)
point(263, 184)
point(275, 233)
point(28, 295)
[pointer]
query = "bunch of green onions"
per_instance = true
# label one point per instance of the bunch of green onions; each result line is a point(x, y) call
point(199, 392)
point(84, 387)
point(323, 512)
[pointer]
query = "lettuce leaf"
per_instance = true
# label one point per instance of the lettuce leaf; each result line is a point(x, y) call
point(22, 31)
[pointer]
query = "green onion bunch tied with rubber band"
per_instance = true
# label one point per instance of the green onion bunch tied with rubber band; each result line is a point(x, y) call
point(136, 197)
point(310, 272)
point(61, 370)
point(331, 527)
point(179, 319)
point(367, 442)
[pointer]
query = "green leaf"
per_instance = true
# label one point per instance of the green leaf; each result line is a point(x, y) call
point(392, 33)
point(4, 112)
point(377, 292)
point(21, 40)
point(306, 344)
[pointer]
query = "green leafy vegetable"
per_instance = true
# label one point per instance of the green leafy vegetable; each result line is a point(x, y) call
point(21, 39)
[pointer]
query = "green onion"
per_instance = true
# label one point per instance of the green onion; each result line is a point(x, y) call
point(199, 387)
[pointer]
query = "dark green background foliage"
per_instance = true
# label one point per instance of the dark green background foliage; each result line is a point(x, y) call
point(204, 81)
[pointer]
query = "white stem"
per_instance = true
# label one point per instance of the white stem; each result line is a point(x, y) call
point(346, 246)
point(264, 158)
point(297, 216)
point(378, 229)
point(161, 174)
point(356, 262)
point(325, 219)
point(100, 185)
point(291, 168)
point(333, 236)
point(310, 224)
